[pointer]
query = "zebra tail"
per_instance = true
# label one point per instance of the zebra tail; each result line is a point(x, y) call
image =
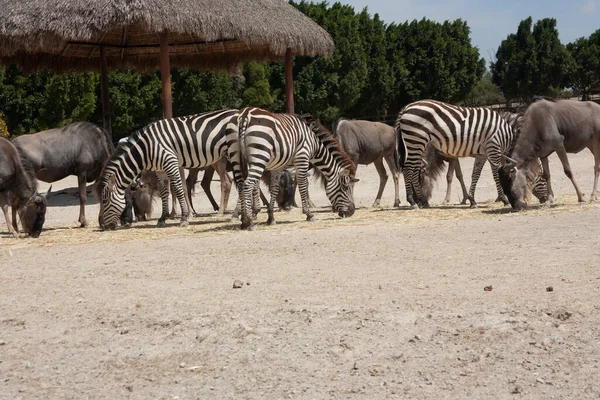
point(431, 171)
point(242, 128)
point(400, 151)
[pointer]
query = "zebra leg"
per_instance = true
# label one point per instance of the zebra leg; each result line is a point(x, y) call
point(174, 174)
point(459, 176)
point(449, 176)
point(501, 196)
point(477, 167)
point(411, 174)
point(546, 176)
point(246, 200)
point(163, 190)
point(256, 204)
point(274, 190)
point(302, 180)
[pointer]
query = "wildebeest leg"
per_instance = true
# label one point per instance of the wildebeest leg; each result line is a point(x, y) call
point(221, 168)
point(163, 189)
point(459, 176)
point(4, 205)
point(383, 177)
point(301, 172)
point(396, 177)
point(562, 155)
point(190, 181)
point(82, 181)
point(15, 224)
point(595, 148)
point(449, 176)
point(274, 190)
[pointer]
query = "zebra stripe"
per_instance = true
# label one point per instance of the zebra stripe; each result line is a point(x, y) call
point(166, 146)
point(455, 132)
point(259, 140)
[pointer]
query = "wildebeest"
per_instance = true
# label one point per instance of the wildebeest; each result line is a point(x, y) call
point(79, 149)
point(18, 186)
point(369, 142)
point(561, 126)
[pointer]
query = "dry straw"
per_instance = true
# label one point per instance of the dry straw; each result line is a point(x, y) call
point(63, 34)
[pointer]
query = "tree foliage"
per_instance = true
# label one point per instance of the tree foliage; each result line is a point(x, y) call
point(375, 69)
point(586, 72)
point(532, 61)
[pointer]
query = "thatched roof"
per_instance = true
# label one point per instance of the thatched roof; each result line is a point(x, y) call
point(67, 34)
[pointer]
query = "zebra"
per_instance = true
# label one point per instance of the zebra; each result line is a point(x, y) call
point(166, 146)
point(259, 140)
point(515, 120)
point(454, 131)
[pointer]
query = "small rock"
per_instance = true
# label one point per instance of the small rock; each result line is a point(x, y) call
point(488, 288)
point(2, 342)
point(237, 284)
point(182, 365)
point(540, 380)
point(247, 283)
point(516, 390)
point(124, 331)
point(549, 289)
point(129, 388)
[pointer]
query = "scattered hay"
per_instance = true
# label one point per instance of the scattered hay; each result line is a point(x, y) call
point(211, 225)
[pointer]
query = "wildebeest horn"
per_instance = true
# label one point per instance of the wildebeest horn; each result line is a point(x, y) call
point(47, 192)
point(511, 163)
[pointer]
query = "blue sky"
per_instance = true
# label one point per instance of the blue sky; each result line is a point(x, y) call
point(491, 21)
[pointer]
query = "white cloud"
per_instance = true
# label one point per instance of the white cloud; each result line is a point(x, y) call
point(589, 7)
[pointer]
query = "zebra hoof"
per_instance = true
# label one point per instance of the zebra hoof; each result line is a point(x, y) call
point(396, 204)
point(473, 205)
point(310, 217)
point(414, 206)
point(184, 223)
point(161, 223)
point(271, 221)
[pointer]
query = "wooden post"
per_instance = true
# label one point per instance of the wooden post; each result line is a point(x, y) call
point(165, 75)
point(104, 89)
point(289, 82)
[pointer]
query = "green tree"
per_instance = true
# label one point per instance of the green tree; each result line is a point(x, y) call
point(586, 56)
point(258, 89)
point(532, 61)
point(484, 93)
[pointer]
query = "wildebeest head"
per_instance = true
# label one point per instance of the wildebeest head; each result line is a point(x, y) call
point(112, 202)
point(516, 182)
point(340, 193)
point(285, 197)
point(33, 214)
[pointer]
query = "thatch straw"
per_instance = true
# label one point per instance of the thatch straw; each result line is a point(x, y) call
point(203, 34)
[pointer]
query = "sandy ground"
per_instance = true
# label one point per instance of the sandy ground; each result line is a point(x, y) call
point(391, 303)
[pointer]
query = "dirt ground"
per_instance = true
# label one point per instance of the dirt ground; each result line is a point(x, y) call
point(446, 302)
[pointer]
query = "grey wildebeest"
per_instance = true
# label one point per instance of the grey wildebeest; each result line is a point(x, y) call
point(79, 149)
point(561, 126)
point(18, 186)
point(369, 142)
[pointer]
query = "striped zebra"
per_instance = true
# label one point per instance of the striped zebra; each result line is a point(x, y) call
point(166, 146)
point(259, 140)
point(540, 187)
point(455, 132)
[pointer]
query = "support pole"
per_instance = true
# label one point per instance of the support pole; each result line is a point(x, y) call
point(104, 89)
point(289, 82)
point(165, 75)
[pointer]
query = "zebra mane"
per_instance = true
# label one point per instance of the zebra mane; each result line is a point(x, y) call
point(123, 147)
point(330, 142)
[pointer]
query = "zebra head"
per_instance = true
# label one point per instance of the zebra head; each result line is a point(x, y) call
point(339, 190)
point(112, 202)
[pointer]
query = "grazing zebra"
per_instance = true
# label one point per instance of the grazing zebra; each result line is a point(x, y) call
point(455, 132)
point(165, 146)
point(259, 140)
